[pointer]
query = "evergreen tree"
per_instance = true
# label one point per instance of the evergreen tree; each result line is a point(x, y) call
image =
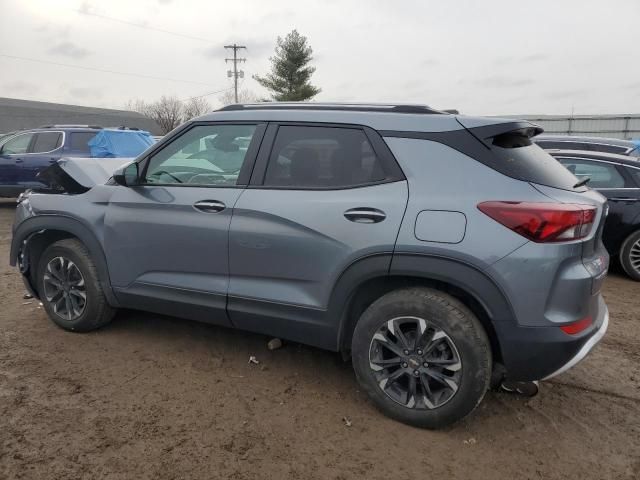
point(290, 70)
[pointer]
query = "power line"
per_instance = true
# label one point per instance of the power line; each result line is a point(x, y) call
point(235, 61)
point(206, 94)
point(84, 11)
point(15, 57)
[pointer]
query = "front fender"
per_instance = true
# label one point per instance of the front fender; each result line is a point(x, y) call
point(30, 228)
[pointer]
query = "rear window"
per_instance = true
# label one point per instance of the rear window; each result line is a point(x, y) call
point(79, 141)
point(519, 158)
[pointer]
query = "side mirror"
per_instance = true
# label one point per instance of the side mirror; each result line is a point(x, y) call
point(127, 176)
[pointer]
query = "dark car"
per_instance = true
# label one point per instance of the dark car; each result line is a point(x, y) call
point(24, 154)
point(617, 177)
point(591, 144)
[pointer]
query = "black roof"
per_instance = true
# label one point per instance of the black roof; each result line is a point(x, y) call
point(588, 154)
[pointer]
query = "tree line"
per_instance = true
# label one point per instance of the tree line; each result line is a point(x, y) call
point(288, 80)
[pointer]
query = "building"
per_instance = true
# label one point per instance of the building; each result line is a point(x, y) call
point(613, 126)
point(18, 114)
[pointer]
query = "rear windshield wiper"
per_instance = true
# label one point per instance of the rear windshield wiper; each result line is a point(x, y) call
point(582, 182)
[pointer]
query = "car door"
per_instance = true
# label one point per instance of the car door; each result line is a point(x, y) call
point(12, 154)
point(166, 239)
point(611, 180)
point(321, 198)
point(43, 151)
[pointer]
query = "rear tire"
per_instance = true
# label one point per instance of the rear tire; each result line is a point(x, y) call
point(447, 371)
point(630, 256)
point(69, 288)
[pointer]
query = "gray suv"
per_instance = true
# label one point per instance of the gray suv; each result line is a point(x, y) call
point(443, 253)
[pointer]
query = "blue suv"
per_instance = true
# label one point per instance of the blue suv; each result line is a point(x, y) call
point(26, 153)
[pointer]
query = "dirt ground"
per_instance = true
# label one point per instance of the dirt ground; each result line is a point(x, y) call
point(163, 398)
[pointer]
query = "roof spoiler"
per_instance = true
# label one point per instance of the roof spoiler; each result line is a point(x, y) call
point(489, 133)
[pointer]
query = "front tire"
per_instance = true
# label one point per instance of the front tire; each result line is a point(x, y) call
point(630, 256)
point(69, 288)
point(422, 356)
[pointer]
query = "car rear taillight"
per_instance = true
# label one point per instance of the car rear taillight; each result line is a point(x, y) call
point(576, 327)
point(543, 222)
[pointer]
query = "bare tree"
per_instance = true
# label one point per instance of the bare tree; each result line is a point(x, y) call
point(167, 112)
point(244, 96)
point(195, 107)
point(139, 106)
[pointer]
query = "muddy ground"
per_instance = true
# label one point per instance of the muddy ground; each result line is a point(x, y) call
point(157, 397)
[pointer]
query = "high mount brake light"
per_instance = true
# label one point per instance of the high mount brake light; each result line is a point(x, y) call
point(543, 222)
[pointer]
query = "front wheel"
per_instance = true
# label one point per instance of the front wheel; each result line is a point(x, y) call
point(422, 356)
point(630, 256)
point(69, 289)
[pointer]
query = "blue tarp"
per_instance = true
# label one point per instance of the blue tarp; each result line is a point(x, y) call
point(120, 143)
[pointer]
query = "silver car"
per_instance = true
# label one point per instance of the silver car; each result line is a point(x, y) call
point(443, 253)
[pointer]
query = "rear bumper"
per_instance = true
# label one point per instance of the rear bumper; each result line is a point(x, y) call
point(534, 353)
point(586, 348)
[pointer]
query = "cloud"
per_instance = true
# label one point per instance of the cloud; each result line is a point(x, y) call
point(20, 87)
point(498, 81)
point(164, 2)
point(429, 62)
point(86, 92)
point(534, 57)
point(68, 49)
point(256, 48)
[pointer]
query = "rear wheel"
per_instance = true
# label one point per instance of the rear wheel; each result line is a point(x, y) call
point(630, 256)
point(422, 357)
point(69, 288)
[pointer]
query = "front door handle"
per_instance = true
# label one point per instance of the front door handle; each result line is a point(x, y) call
point(365, 215)
point(623, 199)
point(19, 160)
point(209, 206)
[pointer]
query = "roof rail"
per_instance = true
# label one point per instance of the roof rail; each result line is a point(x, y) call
point(355, 107)
point(71, 126)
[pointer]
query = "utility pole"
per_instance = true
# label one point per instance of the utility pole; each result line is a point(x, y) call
point(235, 73)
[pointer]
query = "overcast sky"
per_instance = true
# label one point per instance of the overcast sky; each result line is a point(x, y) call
point(481, 57)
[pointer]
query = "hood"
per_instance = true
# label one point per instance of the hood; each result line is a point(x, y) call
point(77, 175)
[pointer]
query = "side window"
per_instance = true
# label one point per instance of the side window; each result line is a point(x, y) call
point(635, 173)
point(322, 157)
point(17, 145)
point(204, 155)
point(46, 142)
point(79, 141)
point(602, 175)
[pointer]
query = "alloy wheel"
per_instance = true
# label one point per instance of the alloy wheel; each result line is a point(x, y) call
point(64, 288)
point(415, 363)
point(634, 256)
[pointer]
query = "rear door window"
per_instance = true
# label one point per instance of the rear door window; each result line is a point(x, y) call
point(601, 175)
point(635, 173)
point(46, 142)
point(79, 141)
point(322, 157)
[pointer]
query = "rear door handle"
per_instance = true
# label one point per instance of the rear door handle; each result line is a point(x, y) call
point(623, 199)
point(19, 160)
point(209, 206)
point(365, 215)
